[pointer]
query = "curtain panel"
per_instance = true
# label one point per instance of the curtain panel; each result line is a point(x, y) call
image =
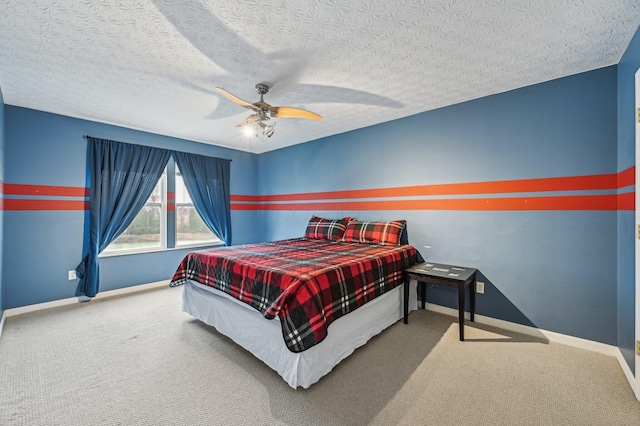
point(122, 178)
point(207, 181)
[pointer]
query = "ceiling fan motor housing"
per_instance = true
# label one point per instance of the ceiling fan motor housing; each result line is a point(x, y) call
point(262, 89)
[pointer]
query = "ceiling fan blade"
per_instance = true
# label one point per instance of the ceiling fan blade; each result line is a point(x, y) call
point(234, 98)
point(288, 112)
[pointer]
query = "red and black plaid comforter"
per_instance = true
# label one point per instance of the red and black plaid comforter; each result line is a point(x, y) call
point(306, 283)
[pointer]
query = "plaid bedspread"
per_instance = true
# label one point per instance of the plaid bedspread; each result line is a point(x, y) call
point(307, 283)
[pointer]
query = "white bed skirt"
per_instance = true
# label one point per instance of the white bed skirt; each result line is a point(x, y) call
point(263, 338)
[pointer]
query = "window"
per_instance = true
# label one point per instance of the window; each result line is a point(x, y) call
point(148, 229)
point(190, 228)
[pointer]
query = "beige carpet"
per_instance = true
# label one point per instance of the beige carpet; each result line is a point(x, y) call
point(139, 360)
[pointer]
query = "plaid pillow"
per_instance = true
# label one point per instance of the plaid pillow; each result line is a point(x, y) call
point(326, 229)
point(383, 233)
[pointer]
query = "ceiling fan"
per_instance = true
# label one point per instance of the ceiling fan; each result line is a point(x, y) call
point(263, 112)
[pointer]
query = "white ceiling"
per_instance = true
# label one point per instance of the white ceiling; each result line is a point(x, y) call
point(153, 65)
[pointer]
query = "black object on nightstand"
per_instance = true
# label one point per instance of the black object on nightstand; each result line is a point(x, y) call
point(448, 275)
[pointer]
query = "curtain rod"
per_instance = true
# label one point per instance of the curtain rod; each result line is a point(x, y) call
point(89, 136)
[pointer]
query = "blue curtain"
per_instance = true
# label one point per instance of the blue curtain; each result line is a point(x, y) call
point(122, 179)
point(207, 180)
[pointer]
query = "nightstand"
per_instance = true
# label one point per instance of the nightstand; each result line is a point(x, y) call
point(441, 274)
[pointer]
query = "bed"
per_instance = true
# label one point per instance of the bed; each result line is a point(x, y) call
point(302, 305)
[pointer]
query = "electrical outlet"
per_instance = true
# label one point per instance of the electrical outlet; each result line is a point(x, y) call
point(479, 287)
point(72, 274)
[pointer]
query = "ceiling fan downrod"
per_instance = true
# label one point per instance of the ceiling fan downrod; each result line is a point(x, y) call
point(262, 90)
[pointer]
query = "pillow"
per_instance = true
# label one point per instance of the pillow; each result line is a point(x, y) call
point(383, 233)
point(326, 229)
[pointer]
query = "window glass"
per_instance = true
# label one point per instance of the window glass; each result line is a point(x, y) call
point(190, 228)
point(147, 230)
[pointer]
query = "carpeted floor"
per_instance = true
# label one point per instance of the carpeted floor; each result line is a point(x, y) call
point(139, 360)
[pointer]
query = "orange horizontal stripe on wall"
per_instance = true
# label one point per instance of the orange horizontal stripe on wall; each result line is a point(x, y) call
point(585, 202)
point(627, 201)
point(61, 191)
point(570, 183)
point(627, 177)
point(21, 204)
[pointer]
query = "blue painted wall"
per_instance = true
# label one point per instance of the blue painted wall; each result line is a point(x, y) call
point(42, 246)
point(2, 307)
point(627, 68)
point(555, 270)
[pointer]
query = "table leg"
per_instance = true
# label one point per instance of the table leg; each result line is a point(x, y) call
point(461, 309)
point(423, 293)
point(472, 302)
point(406, 299)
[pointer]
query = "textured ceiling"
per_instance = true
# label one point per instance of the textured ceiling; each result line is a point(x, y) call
point(154, 64)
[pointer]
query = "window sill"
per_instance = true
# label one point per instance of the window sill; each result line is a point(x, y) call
point(198, 246)
point(158, 250)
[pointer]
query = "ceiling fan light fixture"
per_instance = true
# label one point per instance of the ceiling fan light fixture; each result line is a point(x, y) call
point(249, 130)
point(268, 131)
point(252, 127)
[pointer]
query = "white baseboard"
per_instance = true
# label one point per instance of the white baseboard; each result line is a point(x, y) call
point(4, 315)
point(629, 375)
point(133, 289)
point(577, 342)
point(82, 299)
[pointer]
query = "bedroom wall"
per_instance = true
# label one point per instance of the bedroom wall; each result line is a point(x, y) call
point(42, 244)
point(627, 68)
point(544, 242)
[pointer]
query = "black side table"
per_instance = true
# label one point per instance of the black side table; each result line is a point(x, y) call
point(448, 275)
